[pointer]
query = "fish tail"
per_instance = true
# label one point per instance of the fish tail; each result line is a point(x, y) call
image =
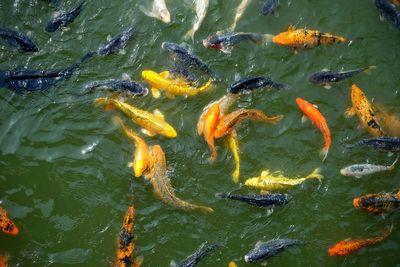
point(101, 101)
point(316, 174)
point(221, 195)
point(205, 87)
point(236, 174)
point(273, 119)
point(385, 233)
point(391, 167)
point(204, 209)
point(367, 70)
point(324, 153)
point(190, 35)
point(138, 261)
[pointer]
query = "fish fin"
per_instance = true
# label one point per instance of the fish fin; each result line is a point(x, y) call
point(315, 174)
point(138, 261)
point(190, 35)
point(350, 112)
point(155, 92)
point(324, 153)
point(291, 28)
point(206, 87)
point(147, 132)
point(304, 119)
point(169, 95)
point(164, 74)
point(327, 86)
point(367, 70)
point(125, 76)
point(315, 106)
point(226, 50)
point(391, 167)
point(204, 209)
point(158, 114)
point(264, 173)
point(274, 119)
point(357, 176)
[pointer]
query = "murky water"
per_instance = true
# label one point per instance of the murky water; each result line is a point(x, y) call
point(63, 164)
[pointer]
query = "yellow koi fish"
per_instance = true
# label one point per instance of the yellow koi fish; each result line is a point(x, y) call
point(154, 124)
point(270, 182)
point(234, 146)
point(162, 184)
point(363, 108)
point(232, 264)
point(161, 81)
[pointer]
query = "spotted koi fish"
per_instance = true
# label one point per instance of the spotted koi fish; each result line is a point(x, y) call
point(7, 226)
point(378, 203)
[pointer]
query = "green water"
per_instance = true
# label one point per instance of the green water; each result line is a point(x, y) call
point(63, 164)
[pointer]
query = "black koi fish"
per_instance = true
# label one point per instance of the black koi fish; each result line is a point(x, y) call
point(18, 40)
point(269, 7)
point(263, 250)
point(388, 11)
point(326, 77)
point(178, 71)
point(250, 83)
point(193, 259)
point(64, 19)
point(117, 43)
point(382, 143)
point(130, 87)
point(225, 42)
point(263, 200)
point(184, 57)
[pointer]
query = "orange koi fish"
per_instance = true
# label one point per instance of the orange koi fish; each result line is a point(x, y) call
point(211, 121)
point(378, 203)
point(363, 108)
point(298, 38)
point(141, 155)
point(4, 260)
point(318, 120)
point(345, 247)
point(7, 226)
point(228, 123)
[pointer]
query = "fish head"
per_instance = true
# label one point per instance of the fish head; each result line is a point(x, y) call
point(339, 249)
point(168, 46)
point(258, 253)
point(283, 38)
point(212, 41)
point(165, 16)
point(149, 75)
point(304, 105)
point(7, 226)
point(357, 202)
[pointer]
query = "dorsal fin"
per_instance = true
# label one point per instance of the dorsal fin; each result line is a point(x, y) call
point(291, 28)
point(264, 173)
point(158, 114)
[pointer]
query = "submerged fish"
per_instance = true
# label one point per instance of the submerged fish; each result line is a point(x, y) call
point(310, 111)
point(263, 250)
point(181, 72)
point(268, 181)
point(239, 13)
point(364, 110)
point(162, 184)
point(154, 124)
point(126, 246)
point(345, 247)
point(201, 11)
point(229, 122)
point(251, 83)
point(4, 260)
point(64, 19)
point(262, 200)
point(117, 43)
point(382, 143)
point(197, 256)
point(269, 6)
point(378, 203)
point(390, 122)
point(388, 11)
point(159, 11)
point(211, 120)
point(234, 147)
point(299, 38)
point(188, 59)
point(124, 86)
point(326, 77)
point(18, 40)
point(162, 82)
point(226, 41)
point(7, 226)
point(359, 170)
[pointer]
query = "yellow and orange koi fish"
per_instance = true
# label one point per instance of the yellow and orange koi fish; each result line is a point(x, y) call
point(7, 226)
point(310, 111)
point(172, 87)
point(345, 247)
point(153, 123)
point(234, 147)
point(298, 38)
point(364, 110)
point(228, 123)
point(211, 121)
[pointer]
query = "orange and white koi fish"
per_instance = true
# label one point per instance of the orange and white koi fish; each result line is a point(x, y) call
point(7, 226)
point(364, 110)
point(310, 111)
point(298, 38)
point(228, 123)
point(345, 247)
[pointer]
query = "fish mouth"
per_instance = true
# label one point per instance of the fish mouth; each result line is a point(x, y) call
point(356, 202)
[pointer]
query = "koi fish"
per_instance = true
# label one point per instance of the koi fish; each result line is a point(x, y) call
point(389, 12)
point(363, 109)
point(232, 264)
point(378, 203)
point(187, 58)
point(345, 247)
point(18, 40)
point(234, 147)
point(391, 144)
point(162, 184)
point(261, 200)
point(396, 2)
point(239, 13)
point(326, 77)
point(141, 156)
point(226, 41)
point(310, 111)
point(390, 122)
point(180, 72)
point(359, 170)
point(263, 250)
point(64, 19)
point(211, 121)
point(154, 124)
point(268, 181)
point(201, 11)
point(161, 81)
point(298, 38)
point(4, 260)
point(117, 43)
point(7, 226)
point(159, 11)
point(228, 123)
point(125, 86)
point(251, 83)
point(269, 6)
point(197, 256)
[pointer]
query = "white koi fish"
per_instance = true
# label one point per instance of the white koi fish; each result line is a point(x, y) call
point(239, 12)
point(201, 11)
point(158, 11)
